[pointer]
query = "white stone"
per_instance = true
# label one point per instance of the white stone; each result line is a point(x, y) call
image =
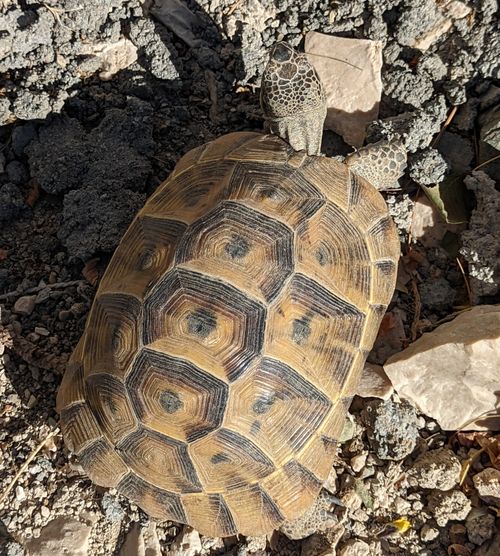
point(113, 57)
point(427, 225)
point(374, 383)
point(452, 373)
point(487, 484)
point(61, 536)
point(350, 72)
point(187, 543)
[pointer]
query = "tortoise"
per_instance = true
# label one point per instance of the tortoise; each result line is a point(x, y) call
point(230, 328)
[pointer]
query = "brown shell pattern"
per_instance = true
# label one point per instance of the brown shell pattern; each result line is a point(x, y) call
point(228, 335)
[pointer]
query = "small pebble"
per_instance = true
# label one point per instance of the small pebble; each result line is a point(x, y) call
point(20, 494)
point(41, 331)
point(25, 305)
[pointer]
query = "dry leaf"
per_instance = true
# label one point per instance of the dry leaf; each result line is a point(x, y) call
point(3, 254)
point(90, 271)
point(458, 550)
point(33, 193)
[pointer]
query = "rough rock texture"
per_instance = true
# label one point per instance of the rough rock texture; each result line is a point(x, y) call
point(428, 168)
point(11, 202)
point(353, 90)
point(141, 541)
point(481, 242)
point(445, 506)
point(451, 374)
point(392, 428)
point(436, 469)
point(480, 525)
point(318, 518)
point(487, 483)
point(61, 536)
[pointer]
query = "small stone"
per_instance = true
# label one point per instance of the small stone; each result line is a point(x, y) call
point(487, 483)
point(429, 533)
point(464, 353)
point(187, 543)
point(65, 315)
point(391, 428)
point(449, 505)
point(436, 469)
point(480, 525)
point(41, 331)
point(63, 535)
point(358, 462)
point(355, 548)
point(45, 511)
point(113, 510)
point(20, 494)
point(374, 383)
point(331, 481)
point(25, 305)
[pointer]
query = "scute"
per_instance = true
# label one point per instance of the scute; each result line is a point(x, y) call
point(228, 335)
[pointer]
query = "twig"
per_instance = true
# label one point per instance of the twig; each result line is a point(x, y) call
point(24, 466)
point(445, 125)
point(418, 308)
point(469, 292)
point(236, 5)
point(57, 285)
point(486, 162)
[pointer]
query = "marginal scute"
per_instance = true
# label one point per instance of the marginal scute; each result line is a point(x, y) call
point(157, 502)
point(146, 252)
point(111, 334)
point(253, 510)
point(159, 459)
point(103, 464)
point(79, 427)
point(211, 512)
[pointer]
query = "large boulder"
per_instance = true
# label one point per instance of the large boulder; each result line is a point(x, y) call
point(452, 374)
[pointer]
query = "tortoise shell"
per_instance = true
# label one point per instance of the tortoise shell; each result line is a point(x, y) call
point(228, 335)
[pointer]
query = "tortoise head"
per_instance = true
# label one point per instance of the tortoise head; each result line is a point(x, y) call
point(293, 99)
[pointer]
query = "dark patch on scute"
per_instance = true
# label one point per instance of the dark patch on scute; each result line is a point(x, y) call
point(202, 322)
point(263, 404)
point(237, 248)
point(221, 457)
point(301, 330)
point(256, 425)
point(170, 402)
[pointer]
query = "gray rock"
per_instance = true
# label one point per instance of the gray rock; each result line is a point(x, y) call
point(458, 152)
point(449, 505)
point(480, 525)
point(490, 127)
point(63, 535)
point(427, 167)
point(391, 428)
point(481, 242)
point(17, 172)
point(354, 547)
point(95, 220)
point(22, 135)
point(435, 469)
point(11, 202)
point(113, 510)
point(437, 294)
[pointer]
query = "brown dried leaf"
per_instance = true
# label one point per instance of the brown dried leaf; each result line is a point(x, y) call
point(3, 254)
point(470, 439)
point(90, 271)
point(33, 193)
point(458, 550)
